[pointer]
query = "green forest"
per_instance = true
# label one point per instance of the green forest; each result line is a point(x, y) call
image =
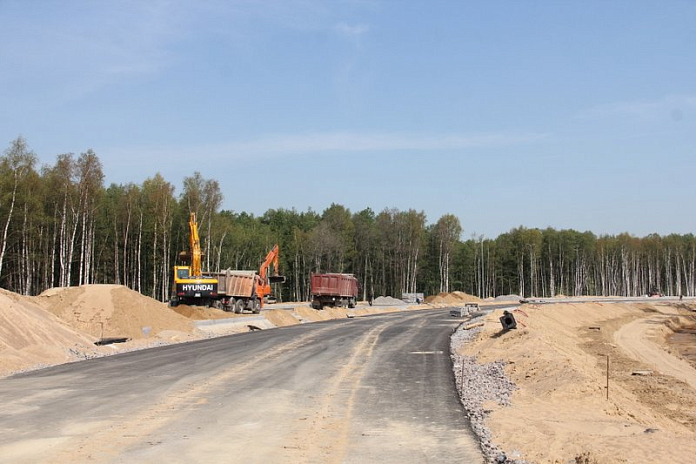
point(60, 225)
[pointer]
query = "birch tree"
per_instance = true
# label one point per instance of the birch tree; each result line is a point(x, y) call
point(15, 165)
point(446, 233)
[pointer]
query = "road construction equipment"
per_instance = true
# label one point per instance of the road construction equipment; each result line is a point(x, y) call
point(230, 290)
point(245, 290)
point(333, 290)
point(190, 285)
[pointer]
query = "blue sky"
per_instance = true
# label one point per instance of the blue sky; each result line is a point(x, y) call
point(577, 114)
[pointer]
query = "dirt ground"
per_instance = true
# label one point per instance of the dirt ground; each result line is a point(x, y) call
point(557, 358)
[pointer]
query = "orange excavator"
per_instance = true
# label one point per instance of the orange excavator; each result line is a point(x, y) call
point(264, 289)
point(246, 290)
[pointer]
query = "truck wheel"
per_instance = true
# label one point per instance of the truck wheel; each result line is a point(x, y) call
point(257, 306)
point(351, 303)
point(239, 306)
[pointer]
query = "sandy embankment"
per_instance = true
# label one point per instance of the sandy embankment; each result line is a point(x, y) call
point(62, 324)
point(560, 413)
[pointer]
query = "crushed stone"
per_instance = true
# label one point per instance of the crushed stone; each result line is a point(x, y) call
point(386, 301)
point(478, 383)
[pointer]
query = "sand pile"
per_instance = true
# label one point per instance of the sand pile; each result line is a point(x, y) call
point(31, 337)
point(559, 411)
point(200, 313)
point(280, 317)
point(386, 301)
point(113, 311)
point(452, 298)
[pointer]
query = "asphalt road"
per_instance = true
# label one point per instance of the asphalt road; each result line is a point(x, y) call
point(373, 389)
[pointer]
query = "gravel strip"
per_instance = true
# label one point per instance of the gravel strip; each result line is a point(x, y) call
point(478, 383)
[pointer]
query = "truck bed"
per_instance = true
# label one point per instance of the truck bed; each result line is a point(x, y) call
point(236, 283)
point(341, 285)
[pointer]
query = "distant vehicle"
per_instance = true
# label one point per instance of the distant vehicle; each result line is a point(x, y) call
point(333, 290)
point(654, 293)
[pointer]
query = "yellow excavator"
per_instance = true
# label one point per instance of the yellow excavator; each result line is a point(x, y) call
point(190, 285)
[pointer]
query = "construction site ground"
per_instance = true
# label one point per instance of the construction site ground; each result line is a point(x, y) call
point(559, 410)
point(556, 358)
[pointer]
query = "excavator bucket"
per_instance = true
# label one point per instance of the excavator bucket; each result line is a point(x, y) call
point(276, 279)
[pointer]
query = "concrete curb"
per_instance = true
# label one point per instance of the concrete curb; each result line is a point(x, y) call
point(216, 324)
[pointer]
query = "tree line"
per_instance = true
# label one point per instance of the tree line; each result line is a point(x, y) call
point(61, 226)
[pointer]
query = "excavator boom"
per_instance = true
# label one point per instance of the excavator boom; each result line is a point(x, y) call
point(195, 244)
point(190, 285)
point(271, 259)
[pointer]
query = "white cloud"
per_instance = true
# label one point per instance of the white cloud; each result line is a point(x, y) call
point(327, 143)
point(352, 31)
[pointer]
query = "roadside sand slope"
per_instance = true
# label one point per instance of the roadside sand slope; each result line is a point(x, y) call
point(200, 313)
point(560, 413)
point(31, 337)
point(62, 324)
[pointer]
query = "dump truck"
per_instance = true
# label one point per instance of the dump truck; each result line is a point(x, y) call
point(239, 290)
point(246, 290)
point(333, 290)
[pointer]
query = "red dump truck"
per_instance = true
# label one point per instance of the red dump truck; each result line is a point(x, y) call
point(333, 290)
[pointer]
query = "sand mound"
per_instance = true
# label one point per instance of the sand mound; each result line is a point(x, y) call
point(386, 301)
point(280, 317)
point(452, 298)
point(200, 313)
point(31, 337)
point(112, 311)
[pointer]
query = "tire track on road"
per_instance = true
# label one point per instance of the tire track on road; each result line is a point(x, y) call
point(105, 444)
point(325, 437)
